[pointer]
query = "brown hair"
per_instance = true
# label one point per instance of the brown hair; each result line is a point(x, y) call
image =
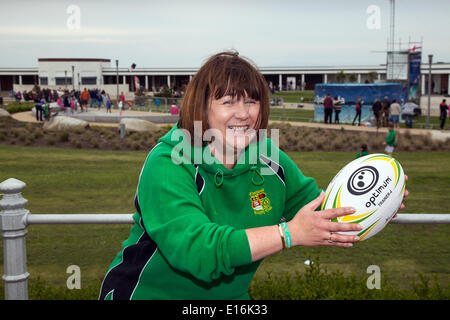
point(223, 74)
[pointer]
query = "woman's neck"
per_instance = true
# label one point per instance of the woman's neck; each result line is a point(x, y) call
point(228, 159)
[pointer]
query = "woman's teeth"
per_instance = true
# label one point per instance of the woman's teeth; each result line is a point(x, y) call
point(241, 128)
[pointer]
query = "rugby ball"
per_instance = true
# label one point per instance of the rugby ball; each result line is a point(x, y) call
point(374, 185)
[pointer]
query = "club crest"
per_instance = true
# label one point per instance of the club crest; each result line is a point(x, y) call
point(260, 202)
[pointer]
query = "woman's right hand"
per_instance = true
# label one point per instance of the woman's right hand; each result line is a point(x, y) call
point(314, 228)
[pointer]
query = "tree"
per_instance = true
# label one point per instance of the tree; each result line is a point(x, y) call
point(352, 77)
point(372, 76)
point(340, 76)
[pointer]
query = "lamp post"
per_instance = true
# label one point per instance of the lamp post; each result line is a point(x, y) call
point(117, 80)
point(430, 60)
point(73, 78)
point(132, 78)
point(65, 79)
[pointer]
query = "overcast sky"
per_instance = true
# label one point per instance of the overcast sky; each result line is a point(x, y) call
point(175, 33)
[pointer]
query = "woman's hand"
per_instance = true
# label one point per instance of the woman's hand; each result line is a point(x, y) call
point(402, 206)
point(313, 228)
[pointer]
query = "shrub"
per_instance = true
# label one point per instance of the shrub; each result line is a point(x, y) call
point(14, 108)
point(77, 144)
point(38, 134)
point(316, 283)
point(64, 137)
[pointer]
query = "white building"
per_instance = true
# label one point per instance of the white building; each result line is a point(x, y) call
point(80, 73)
point(68, 72)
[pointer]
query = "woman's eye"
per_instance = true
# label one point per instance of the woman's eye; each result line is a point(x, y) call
point(250, 101)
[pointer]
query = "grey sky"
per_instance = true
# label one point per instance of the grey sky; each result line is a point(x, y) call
point(170, 33)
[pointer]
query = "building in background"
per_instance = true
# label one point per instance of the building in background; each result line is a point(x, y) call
point(80, 73)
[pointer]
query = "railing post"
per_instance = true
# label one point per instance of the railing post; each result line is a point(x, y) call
point(12, 224)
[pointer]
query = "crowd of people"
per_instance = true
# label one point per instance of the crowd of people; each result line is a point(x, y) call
point(385, 112)
point(68, 101)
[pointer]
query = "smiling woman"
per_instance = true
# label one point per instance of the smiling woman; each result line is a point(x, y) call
point(203, 227)
point(225, 79)
point(233, 96)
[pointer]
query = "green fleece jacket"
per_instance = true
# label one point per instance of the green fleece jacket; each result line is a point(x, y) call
point(188, 240)
point(390, 140)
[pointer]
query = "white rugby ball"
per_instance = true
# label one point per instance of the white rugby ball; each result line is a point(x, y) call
point(374, 185)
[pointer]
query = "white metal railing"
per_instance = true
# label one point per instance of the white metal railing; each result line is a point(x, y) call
point(14, 219)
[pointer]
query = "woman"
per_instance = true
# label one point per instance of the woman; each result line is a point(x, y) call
point(210, 207)
point(337, 105)
point(358, 109)
point(395, 113)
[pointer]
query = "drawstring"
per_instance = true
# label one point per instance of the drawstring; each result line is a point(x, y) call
point(256, 173)
point(219, 174)
point(257, 178)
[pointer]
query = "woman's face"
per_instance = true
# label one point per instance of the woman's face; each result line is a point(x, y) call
point(235, 120)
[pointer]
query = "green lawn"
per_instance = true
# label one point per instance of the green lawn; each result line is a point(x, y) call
point(93, 181)
point(295, 96)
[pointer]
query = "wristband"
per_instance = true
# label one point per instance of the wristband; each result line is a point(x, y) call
point(287, 235)
point(280, 229)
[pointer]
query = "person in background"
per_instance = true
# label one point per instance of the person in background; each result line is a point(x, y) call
point(364, 151)
point(46, 109)
point(395, 113)
point(38, 106)
point(93, 96)
point(73, 104)
point(66, 101)
point(328, 109)
point(99, 100)
point(337, 109)
point(122, 98)
point(18, 96)
point(390, 140)
point(358, 109)
point(84, 99)
point(385, 110)
point(104, 98)
point(120, 106)
point(109, 103)
point(443, 107)
point(376, 109)
point(408, 112)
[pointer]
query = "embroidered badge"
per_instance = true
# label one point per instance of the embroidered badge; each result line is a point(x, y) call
point(260, 202)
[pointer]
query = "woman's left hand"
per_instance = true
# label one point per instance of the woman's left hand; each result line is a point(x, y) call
point(402, 206)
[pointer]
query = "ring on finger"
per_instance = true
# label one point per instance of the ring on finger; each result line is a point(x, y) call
point(329, 238)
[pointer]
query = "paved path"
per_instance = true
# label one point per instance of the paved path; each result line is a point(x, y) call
point(435, 134)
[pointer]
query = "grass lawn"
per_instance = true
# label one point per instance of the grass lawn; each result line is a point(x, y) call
point(295, 96)
point(61, 180)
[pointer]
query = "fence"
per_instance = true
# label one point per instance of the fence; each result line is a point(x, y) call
point(14, 219)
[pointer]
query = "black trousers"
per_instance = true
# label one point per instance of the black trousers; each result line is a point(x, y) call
point(443, 117)
point(336, 116)
point(358, 115)
point(39, 112)
point(328, 115)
